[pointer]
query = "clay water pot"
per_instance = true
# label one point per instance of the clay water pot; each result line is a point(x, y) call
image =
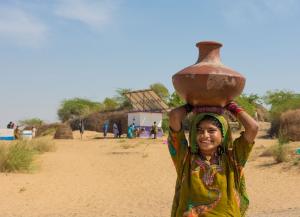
point(208, 81)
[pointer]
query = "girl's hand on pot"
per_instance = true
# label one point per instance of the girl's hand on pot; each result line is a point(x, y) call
point(234, 108)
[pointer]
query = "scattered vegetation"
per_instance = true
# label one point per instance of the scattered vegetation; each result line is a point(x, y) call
point(161, 91)
point(165, 124)
point(42, 145)
point(248, 102)
point(19, 155)
point(47, 129)
point(280, 102)
point(76, 108)
point(281, 153)
point(175, 100)
point(36, 122)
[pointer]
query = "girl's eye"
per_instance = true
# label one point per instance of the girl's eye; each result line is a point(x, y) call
point(200, 131)
point(211, 131)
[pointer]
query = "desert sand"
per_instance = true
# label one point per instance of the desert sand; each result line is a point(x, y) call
point(97, 177)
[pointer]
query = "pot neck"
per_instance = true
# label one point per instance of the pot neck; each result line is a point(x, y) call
point(209, 52)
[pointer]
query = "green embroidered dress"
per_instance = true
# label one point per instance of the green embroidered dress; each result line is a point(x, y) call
point(209, 190)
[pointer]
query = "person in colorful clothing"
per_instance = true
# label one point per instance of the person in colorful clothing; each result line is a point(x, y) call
point(105, 128)
point(131, 131)
point(210, 180)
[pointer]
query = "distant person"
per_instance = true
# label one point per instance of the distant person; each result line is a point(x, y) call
point(134, 129)
point(81, 128)
point(105, 128)
point(131, 131)
point(120, 129)
point(256, 115)
point(115, 130)
point(154, 130)
point(17, 133)
point(10, 125)
point(33, 132)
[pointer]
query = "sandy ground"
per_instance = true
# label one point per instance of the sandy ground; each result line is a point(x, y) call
point(97, 177)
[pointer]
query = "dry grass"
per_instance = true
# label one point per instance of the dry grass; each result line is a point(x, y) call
point(42, 145)
point(281, 154)
point(16, 157)
point(19, 155)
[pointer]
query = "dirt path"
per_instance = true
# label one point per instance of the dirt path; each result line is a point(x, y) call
point(96, 177)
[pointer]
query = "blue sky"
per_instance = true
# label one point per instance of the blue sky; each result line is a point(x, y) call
point(60, 49)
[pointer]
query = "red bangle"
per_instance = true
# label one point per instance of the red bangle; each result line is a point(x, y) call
point(238, 110)
point(234, 108)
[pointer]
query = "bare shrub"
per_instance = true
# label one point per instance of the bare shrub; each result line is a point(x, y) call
point(47, 129)
point(281, 152)
point(290, 125)
point(63, 131)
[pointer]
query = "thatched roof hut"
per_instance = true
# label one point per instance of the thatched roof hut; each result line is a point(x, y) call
point(290, 125)
point(63, 131)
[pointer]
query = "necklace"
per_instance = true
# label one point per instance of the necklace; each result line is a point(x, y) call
point(210, 159)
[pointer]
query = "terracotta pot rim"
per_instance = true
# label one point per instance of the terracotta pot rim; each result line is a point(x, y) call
point(210, 43)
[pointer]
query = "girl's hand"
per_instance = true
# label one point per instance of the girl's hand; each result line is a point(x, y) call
point(234, 108)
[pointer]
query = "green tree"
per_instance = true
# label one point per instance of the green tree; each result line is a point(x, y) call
point(281, 101)
point(253, 99)
point(175, 100)
point(275, 98)
point(32, 122)
point(77, 108)
point(246, 103)
point(160, 90)
point(121, 99)
point(110, 104)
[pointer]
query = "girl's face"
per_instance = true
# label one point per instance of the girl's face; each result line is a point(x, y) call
point(209, 137)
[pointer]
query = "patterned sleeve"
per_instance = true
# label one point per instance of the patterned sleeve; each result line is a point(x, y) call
point(241, 150)
point(178, 148)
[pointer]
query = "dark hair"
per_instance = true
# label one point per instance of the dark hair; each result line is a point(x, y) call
point(213, 120)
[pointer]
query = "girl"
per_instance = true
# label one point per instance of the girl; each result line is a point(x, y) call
point(210, 181)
